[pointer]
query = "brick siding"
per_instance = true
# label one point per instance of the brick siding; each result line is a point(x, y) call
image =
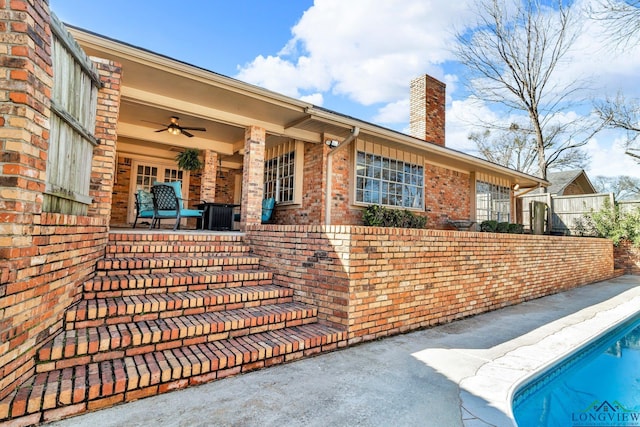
point(378, 281)
point(627, 257)
point(446, 196)
point(44, 258)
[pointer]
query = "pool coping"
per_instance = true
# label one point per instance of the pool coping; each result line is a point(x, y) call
point(486, 397)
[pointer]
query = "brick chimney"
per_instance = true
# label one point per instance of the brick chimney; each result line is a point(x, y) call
point(427, 107)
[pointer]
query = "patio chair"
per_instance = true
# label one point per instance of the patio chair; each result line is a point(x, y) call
point(268, 206)
point(144, 205)
point(167, 205)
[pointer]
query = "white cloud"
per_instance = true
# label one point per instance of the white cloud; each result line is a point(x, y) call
point(608, 159)
point(393, 112)
point(365, 51)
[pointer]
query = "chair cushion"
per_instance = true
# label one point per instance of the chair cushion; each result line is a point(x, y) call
point(145, 214)
point(267, 208)
point(145, 200)
point(190, 212)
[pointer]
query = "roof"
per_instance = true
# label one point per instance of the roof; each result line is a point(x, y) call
point(562, 179)
point(155, 87)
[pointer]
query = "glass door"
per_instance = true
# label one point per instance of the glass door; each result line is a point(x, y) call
point(145, 174)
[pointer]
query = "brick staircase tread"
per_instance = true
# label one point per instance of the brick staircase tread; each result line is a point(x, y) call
point(158, 302)
point(157, 280)
point(105, 383)
point(146, 250)
point(98, 340)
point(136, 264)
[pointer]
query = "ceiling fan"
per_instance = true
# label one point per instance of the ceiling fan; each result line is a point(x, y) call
point(174, 128)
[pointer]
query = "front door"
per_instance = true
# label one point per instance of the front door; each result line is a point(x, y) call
point(145, 174)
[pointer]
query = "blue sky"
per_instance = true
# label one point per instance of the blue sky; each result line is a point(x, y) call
point(356, 57)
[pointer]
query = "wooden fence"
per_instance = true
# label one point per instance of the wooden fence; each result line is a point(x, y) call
point(563, 211)
point(71, 142)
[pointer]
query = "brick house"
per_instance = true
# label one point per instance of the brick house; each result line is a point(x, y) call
point(368, 163)
point(88, 309)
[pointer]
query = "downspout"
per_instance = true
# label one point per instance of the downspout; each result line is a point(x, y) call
point(327, 201)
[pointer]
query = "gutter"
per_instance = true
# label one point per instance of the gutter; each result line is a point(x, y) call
point(355, 131)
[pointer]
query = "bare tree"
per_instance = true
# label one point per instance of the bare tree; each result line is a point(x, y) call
point(621, 19)
point(516, 149)
point(623, 187)
point(513, 55)
point(619, 113)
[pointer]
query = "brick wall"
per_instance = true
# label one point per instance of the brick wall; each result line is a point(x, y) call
point(377, 282)
point(447, 196)
point(627, 257)
point(44, 258)
point(120, 196)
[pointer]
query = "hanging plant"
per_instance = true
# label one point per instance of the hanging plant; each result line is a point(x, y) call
point(189, 160)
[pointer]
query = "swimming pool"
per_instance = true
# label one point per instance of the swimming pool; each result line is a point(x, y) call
point(597, 386)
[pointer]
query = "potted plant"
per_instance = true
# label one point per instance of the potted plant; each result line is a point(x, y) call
point(189, 159)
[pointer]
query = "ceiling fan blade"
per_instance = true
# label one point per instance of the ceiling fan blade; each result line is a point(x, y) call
point(155, 123)
point(184, 132)
point(161, 130)
point(198, 129)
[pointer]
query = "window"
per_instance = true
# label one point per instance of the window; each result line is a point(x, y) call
point(493, 202)
point(279, 177)
point(386, 181)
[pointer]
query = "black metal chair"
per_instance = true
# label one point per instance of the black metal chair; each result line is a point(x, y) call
point(166, 205)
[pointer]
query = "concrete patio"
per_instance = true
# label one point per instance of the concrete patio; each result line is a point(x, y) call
point(436, 377)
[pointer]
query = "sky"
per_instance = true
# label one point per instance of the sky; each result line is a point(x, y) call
point(354, 57)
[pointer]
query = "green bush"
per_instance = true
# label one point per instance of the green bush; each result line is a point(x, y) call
point(612, 224)
point(380, 216)
point(516, 229)
point(491, 226)
point(503, 227)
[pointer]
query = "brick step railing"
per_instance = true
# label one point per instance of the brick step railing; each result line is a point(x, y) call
point(97, 343)
point(163, 311)
point(63, 392)
point(140, 284)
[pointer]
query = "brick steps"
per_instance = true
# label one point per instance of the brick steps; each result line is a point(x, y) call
point(129, 308)
point(51, 395)
point(164, 311)
point(157, 250)
point(97, 343)
point(140, 284)
point(175, 264)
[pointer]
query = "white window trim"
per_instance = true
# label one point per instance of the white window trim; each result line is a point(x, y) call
point(391, 153)
point(298, 168)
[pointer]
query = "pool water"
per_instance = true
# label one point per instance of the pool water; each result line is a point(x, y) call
point(597, 386)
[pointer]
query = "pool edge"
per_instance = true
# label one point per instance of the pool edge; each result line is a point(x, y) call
point(487, 396)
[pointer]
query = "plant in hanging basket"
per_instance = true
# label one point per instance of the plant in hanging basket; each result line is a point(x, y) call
point(189, 160)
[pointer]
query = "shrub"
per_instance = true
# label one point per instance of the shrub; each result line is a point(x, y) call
point(609, 222)
point(491, 226)
point(502, 227)
point(380, 216)
point(516, 229)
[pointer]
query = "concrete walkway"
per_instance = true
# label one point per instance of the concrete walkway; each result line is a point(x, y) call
point(407, 380)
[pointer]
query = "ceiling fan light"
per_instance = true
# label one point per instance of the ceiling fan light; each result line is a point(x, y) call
point(173, 130)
